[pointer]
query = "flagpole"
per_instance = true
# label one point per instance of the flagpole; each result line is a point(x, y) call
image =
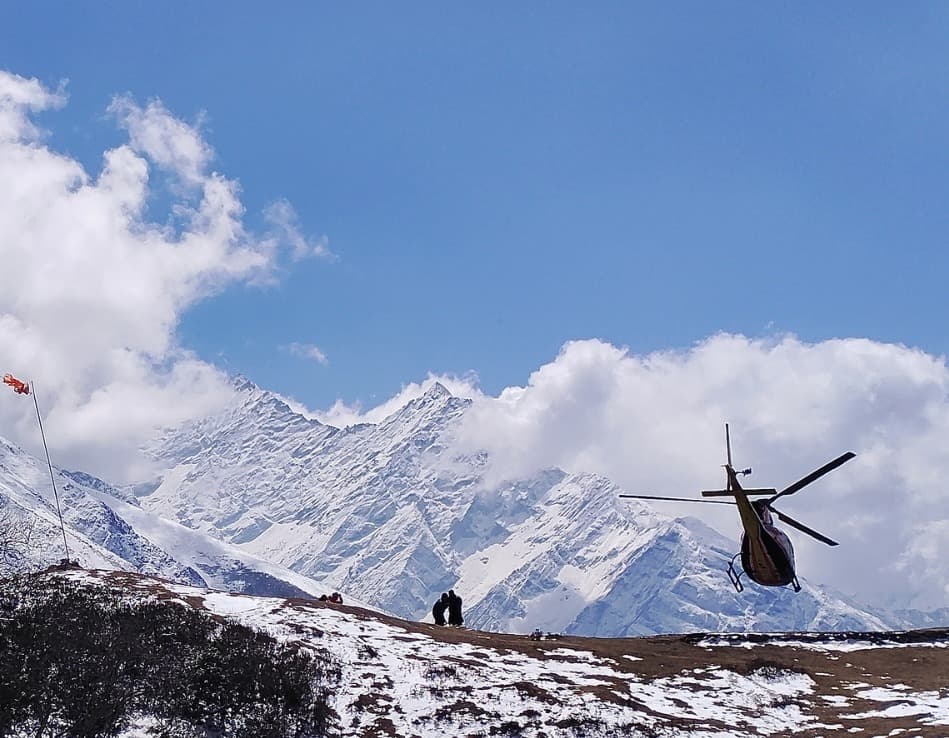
point(52, 477)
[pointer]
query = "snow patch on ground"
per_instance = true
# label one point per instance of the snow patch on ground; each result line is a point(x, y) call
point(932, 708)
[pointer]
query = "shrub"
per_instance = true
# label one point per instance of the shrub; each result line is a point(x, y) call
point(84, 662)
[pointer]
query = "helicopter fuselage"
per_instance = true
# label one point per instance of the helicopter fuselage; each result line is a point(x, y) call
point(766, 553)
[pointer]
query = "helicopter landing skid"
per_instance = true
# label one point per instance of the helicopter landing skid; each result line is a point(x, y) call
point(734, 576)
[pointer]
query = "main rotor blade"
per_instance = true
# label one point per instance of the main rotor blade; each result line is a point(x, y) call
point(814, 475)
point(679, 499)
point(803, 528)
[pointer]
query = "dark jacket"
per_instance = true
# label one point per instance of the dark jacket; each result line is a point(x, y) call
point(438, 609)
point(454, 609)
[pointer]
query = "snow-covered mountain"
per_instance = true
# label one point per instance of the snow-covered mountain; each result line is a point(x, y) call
point(390, 514)
point(106, 528)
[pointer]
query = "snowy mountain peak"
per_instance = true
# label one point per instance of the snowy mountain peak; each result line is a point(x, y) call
point(437, 395)
point(437, 390)
point(434, 409)
point(242, 383)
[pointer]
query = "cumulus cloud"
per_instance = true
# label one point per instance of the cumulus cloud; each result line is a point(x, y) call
point(307, 351)
point(342, 415)
point(18, 98)
point(654, 424)
point(165, 140)
point(91, 290)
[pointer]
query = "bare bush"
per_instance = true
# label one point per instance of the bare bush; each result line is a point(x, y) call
point(16, 534)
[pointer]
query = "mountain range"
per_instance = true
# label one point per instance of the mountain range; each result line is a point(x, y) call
point(259, 498)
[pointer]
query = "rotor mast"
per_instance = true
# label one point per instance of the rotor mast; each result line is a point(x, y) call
point(728, 445)
point(728, 454)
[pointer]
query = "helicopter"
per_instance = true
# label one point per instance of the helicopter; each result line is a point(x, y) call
point(767, 556)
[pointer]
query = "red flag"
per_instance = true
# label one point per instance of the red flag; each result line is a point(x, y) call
point(20, 387)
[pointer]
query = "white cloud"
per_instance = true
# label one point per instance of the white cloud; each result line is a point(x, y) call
point(18, 98)
point(91, 291)
point(342, 415)
point(285, 223)
point(654, 424)
point(308, 351)
point(924, 558)
point(163, 139)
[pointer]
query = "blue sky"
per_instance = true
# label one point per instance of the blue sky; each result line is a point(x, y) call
point(495, 182)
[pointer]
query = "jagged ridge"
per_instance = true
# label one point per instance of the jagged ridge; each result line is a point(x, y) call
point(390, 513)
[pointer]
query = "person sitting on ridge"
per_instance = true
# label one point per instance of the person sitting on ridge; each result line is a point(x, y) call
point(438, 609)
